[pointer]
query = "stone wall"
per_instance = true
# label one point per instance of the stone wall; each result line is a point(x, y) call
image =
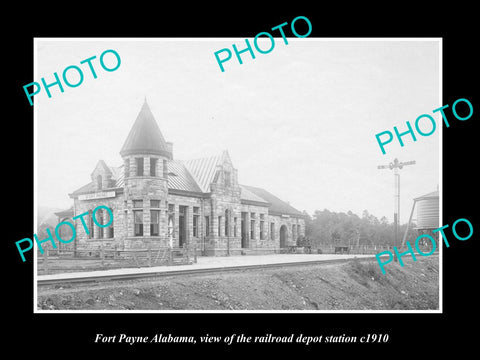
point(288, 221)
point(213, 244)
point(145, 188)
point(223, 202)
point(84, 240)
point(190, 203)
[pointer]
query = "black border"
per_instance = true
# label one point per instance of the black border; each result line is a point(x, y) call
point(422, 333)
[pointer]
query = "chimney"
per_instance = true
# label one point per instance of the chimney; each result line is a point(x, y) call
point(170, 147)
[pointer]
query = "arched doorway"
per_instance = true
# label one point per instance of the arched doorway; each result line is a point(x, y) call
point(283, 236)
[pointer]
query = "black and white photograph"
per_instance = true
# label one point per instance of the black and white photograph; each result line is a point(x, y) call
point(228, 181)
point(260, 188)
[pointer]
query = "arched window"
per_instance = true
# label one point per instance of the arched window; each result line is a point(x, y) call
point(99, 182)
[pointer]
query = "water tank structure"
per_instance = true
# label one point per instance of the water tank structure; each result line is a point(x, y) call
point(428, 211)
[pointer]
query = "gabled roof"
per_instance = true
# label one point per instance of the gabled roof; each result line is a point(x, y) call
point(203, 170)
point(84, 189)
point(117, 178)
point(195, 176)
point(277, 206)
point(117, 175)
point(248, 196)
point(179, 178)
point(432, 195)
point(102, 164)
point(145, 136)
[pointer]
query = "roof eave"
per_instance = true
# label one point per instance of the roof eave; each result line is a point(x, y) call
point(286, 214)
point(188, 193)
point(164, 153)
point(118, 190)
point(255, 203)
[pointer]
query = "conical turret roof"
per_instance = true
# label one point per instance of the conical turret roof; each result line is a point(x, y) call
point(145, 136)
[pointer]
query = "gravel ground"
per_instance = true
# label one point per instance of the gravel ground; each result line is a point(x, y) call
point(356, 285)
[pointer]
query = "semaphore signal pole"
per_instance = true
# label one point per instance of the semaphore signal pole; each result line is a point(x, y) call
point(395, 165)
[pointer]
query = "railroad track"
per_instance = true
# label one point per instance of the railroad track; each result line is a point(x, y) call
point(160, 274)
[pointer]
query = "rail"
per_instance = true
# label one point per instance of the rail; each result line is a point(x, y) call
point(183, 272)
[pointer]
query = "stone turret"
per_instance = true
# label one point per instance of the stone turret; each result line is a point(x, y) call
point(145, 155)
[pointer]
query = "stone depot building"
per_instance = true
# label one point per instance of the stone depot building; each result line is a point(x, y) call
point(158, 201)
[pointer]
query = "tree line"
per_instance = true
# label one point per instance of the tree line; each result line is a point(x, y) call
point(327, 228)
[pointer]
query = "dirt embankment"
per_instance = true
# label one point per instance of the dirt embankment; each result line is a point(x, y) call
point(356, 285)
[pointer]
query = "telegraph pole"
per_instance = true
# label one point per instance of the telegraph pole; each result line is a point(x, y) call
point(395, 166)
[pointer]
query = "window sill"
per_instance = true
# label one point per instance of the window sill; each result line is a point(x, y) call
point(137, 237)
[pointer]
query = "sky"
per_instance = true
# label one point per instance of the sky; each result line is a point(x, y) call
point(299, 121)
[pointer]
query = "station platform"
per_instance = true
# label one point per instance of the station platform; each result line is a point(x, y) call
point(208, 263)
